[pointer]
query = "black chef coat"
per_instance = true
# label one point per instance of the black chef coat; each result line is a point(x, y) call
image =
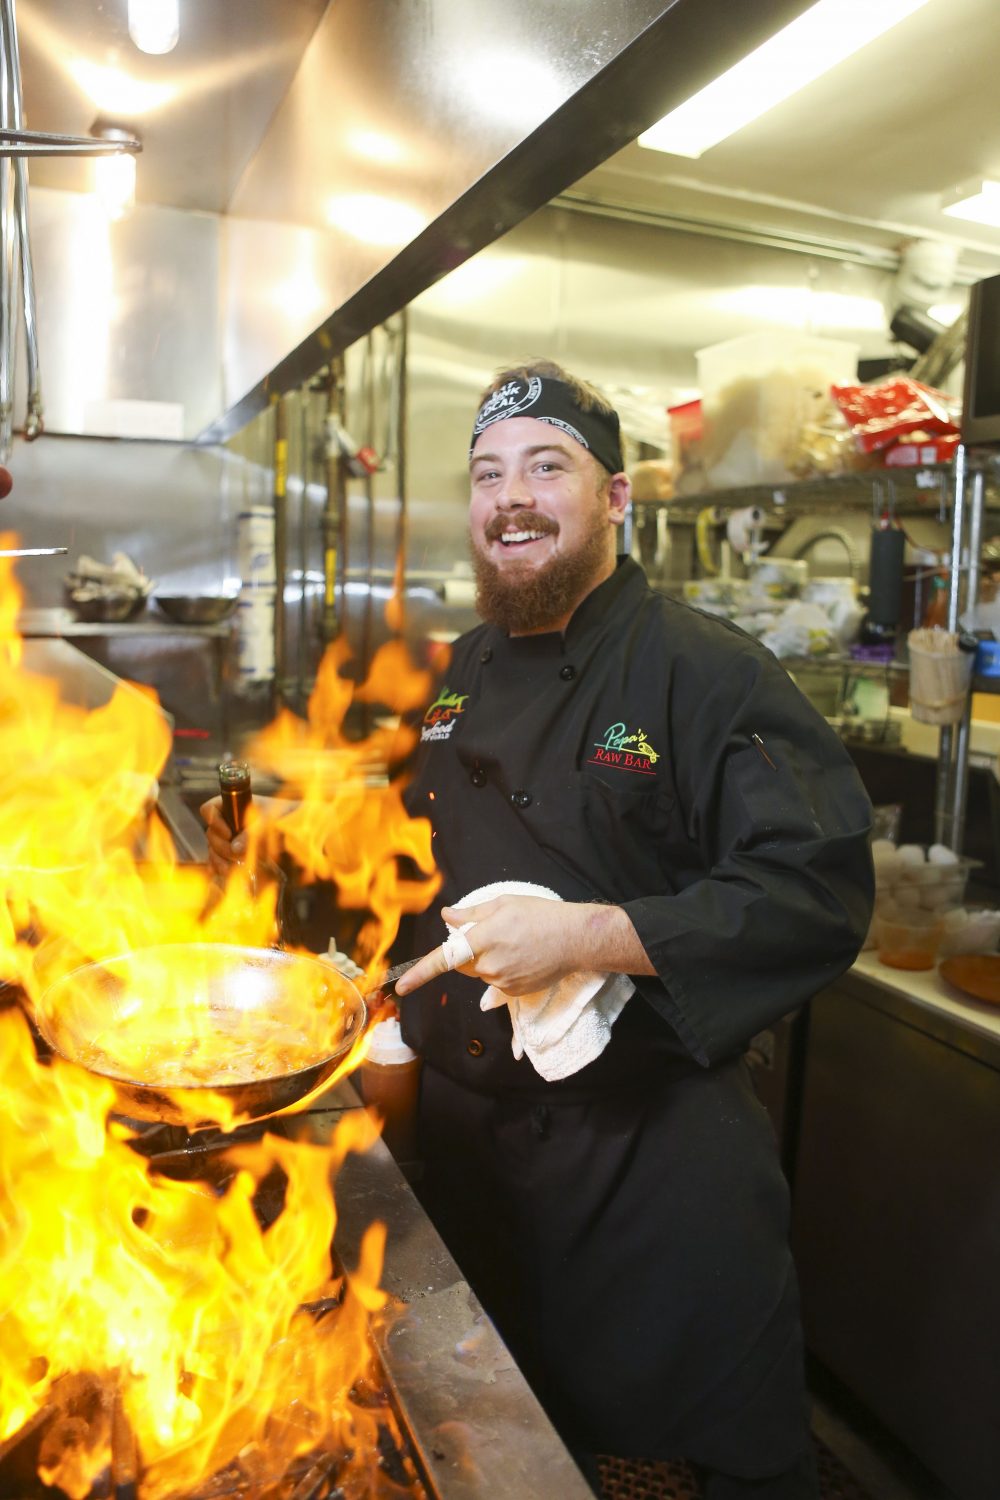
point(659, 759)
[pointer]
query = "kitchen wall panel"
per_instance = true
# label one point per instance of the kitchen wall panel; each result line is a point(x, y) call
point(171, 506)
point(625, 305)
point(129, 324)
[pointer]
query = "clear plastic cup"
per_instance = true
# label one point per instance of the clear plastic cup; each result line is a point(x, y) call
point(910, 944)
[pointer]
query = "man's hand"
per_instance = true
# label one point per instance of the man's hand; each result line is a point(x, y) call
point(522, 944)
point(224, 851)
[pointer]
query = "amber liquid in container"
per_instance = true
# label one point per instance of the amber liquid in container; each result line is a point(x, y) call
point(236, 793)
point(909, 945)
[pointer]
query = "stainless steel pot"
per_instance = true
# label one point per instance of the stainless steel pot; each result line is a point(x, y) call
point(196, 609)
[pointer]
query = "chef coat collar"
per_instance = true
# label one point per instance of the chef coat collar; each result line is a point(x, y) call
point(626, 583)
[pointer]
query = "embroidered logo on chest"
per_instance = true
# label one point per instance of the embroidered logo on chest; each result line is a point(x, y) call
point(625, 751)
point(443, 714)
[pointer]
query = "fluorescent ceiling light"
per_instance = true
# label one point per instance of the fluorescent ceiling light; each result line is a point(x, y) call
point(154, 25)
point(813, 44)
point(977, 201)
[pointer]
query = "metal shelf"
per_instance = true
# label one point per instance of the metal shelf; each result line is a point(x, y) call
point(917, 491)
point(61, 623)
point(849, 664)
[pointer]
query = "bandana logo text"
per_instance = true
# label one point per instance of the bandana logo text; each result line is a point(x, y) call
point(512, 398)
point(442, 716)
point(624, 751)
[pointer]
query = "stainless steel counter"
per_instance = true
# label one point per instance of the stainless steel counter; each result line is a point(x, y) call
point(925, 999)
point(81, 680)
point(62, 624)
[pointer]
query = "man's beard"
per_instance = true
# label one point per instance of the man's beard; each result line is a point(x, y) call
point(522, 602)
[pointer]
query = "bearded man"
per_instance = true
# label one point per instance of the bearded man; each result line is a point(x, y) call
point(666, 849)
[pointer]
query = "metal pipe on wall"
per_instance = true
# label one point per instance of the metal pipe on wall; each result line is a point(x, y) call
point(398, 619)
point(280, 543)
point(370, 439)
point(334, 523)
point(303, 560)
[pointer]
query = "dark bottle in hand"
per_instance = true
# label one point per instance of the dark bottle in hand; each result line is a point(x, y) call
point(234, 787)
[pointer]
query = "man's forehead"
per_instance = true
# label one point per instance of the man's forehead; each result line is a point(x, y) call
point(525, 435)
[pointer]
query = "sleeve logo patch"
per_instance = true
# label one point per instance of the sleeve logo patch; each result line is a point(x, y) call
point(443, 714)
point(625, 751)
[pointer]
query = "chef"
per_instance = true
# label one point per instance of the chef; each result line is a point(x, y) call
point(652, 848)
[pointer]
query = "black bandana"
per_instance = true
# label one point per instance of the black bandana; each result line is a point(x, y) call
point(552, 401)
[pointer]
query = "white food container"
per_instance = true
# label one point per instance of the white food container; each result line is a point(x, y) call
point(758, 393)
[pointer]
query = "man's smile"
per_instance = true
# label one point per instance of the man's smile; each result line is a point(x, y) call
point(518, 533)
point(518, 538)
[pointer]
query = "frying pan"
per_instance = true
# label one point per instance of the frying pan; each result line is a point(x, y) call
point(174, 1024)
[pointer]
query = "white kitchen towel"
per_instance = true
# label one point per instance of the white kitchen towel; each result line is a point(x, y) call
point(567, 1025)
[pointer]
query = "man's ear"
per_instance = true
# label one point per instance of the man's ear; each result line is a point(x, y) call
point(619, 498)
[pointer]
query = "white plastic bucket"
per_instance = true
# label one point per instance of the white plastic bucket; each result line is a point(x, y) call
point(255, 547)
point(255, 635)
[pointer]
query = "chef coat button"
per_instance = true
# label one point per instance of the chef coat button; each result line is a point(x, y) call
point(567, 673)
point(486, 655)
point(521, 798)
point(475, 1048)
point(477, 776)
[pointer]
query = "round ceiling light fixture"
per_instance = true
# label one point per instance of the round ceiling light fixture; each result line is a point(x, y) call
point(154, 25)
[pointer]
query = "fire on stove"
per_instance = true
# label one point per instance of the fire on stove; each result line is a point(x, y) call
point(156, 1333)
point(158, 1337)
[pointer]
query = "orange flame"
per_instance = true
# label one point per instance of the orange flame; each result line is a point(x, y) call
point(129, 1301)
point(171, 1296)
point(348, 823)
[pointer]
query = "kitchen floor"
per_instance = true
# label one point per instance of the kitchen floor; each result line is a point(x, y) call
point(881, 1466)
point(856, 1458)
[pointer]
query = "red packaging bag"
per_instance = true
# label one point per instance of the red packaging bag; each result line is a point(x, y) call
point(879, 414)
point(914, 455)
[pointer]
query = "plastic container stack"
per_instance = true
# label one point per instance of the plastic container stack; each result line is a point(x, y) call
point(920, 912)
point(759, 393)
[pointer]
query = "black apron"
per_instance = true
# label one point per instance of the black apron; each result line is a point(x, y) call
point(627, 1226)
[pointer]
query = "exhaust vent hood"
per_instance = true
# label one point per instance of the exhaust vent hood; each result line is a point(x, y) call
point(310, 168)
